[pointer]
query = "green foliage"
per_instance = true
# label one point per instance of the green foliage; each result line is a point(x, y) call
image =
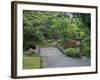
point(29, 55)
point(72, 30)
point(29, 45)
point(85, 47)
point(86, 52)
point(45, 27)
point(72, 52)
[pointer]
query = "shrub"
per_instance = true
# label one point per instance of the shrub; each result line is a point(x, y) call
point(29, 45)
point(85, 50)
point(28, 54)
point(85, 46)
point(72, 52)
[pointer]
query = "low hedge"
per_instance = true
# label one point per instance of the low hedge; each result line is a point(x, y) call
point(72, 52)
point(28, 54)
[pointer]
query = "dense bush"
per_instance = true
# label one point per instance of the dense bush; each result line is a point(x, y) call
point(30, 54)
point(85, 50)
point(29, 45)
point(72, 52)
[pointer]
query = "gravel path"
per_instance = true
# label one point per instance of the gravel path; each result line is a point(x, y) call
point(52, 57)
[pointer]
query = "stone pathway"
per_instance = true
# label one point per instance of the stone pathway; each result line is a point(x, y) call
point(52, 57)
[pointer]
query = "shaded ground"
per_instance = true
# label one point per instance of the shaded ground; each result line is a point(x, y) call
point(52, 57)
